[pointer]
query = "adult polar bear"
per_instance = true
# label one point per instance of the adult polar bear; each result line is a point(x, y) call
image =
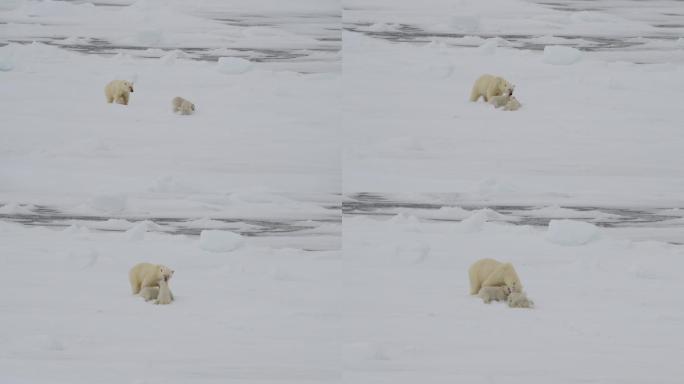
point(493, 273)
point(144, 275)
point(118, 91)
point(489, 86)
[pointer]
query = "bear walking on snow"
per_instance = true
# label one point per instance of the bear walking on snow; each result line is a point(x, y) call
point(118, 91)
point(492, 273)
point(489, 86)
point(487, 294)
point(182, 106)
point(148, 275)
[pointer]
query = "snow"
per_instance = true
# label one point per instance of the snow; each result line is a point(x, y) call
point(571, 232)
point(219, 241)
point(233, 65)
point(70, 316)
point(559, 55)
point(600, 309)
point(590, 133)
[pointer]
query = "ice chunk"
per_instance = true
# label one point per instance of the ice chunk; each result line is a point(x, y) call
point(220, 241)
point(571, 232)
point(233, 65)
point(560, 55)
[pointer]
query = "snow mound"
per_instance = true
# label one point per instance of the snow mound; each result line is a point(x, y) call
point(571, 232)
point(489, 47)
point(560, 55)
point(220, 241)
point(233, 65)
point(450, 213)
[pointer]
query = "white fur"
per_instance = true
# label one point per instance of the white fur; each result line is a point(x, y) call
point(512, 104)
point(118, 91)
point(488, 86)
point(165, 296)
point(487, 294)
point(182, 106)
point(499, 101)
point(149, 293)
point(519, 300)
point(147, 275)
point(493, 273)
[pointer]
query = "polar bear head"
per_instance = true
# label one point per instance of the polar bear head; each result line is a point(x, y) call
point(505, 87)
point(510, 278)
point(165, 272)
point(128, 85)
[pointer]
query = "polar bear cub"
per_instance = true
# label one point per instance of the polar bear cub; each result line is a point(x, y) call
point(519, 300)
point(182, 106)
point(488, 86)
point(493, 273)
point(147, 275)
point(149, 293)
point(487, 294)
point(512, 104)
point(165, 296)
point(118, 91)
point(499, 101)
point(162, 294)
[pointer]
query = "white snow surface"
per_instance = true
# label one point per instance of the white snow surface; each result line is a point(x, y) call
point(258, 314)
point(601, 130)
point(601, 309)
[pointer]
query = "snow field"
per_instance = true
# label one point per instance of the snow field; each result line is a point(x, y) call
point(602, 309)
point(256, 314)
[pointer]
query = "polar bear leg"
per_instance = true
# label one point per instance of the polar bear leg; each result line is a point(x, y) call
point(474, 282)
point(135, 284)
point(475, 94)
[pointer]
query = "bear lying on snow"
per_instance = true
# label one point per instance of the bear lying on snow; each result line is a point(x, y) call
point(488, 86)
point(148, 275)
point(492, 273)
point(118, 91)
point(182, 106)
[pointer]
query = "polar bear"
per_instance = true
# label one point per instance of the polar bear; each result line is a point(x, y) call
point(487, 294)
point(488, 86)
point(149, 293)
point(512, 104)
point(519, 300)
point(154, 293)
point(182, 106)
point(493, 273)
point(118, 91)
point(165, 296)
point(147, 275)
point(499, 101)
